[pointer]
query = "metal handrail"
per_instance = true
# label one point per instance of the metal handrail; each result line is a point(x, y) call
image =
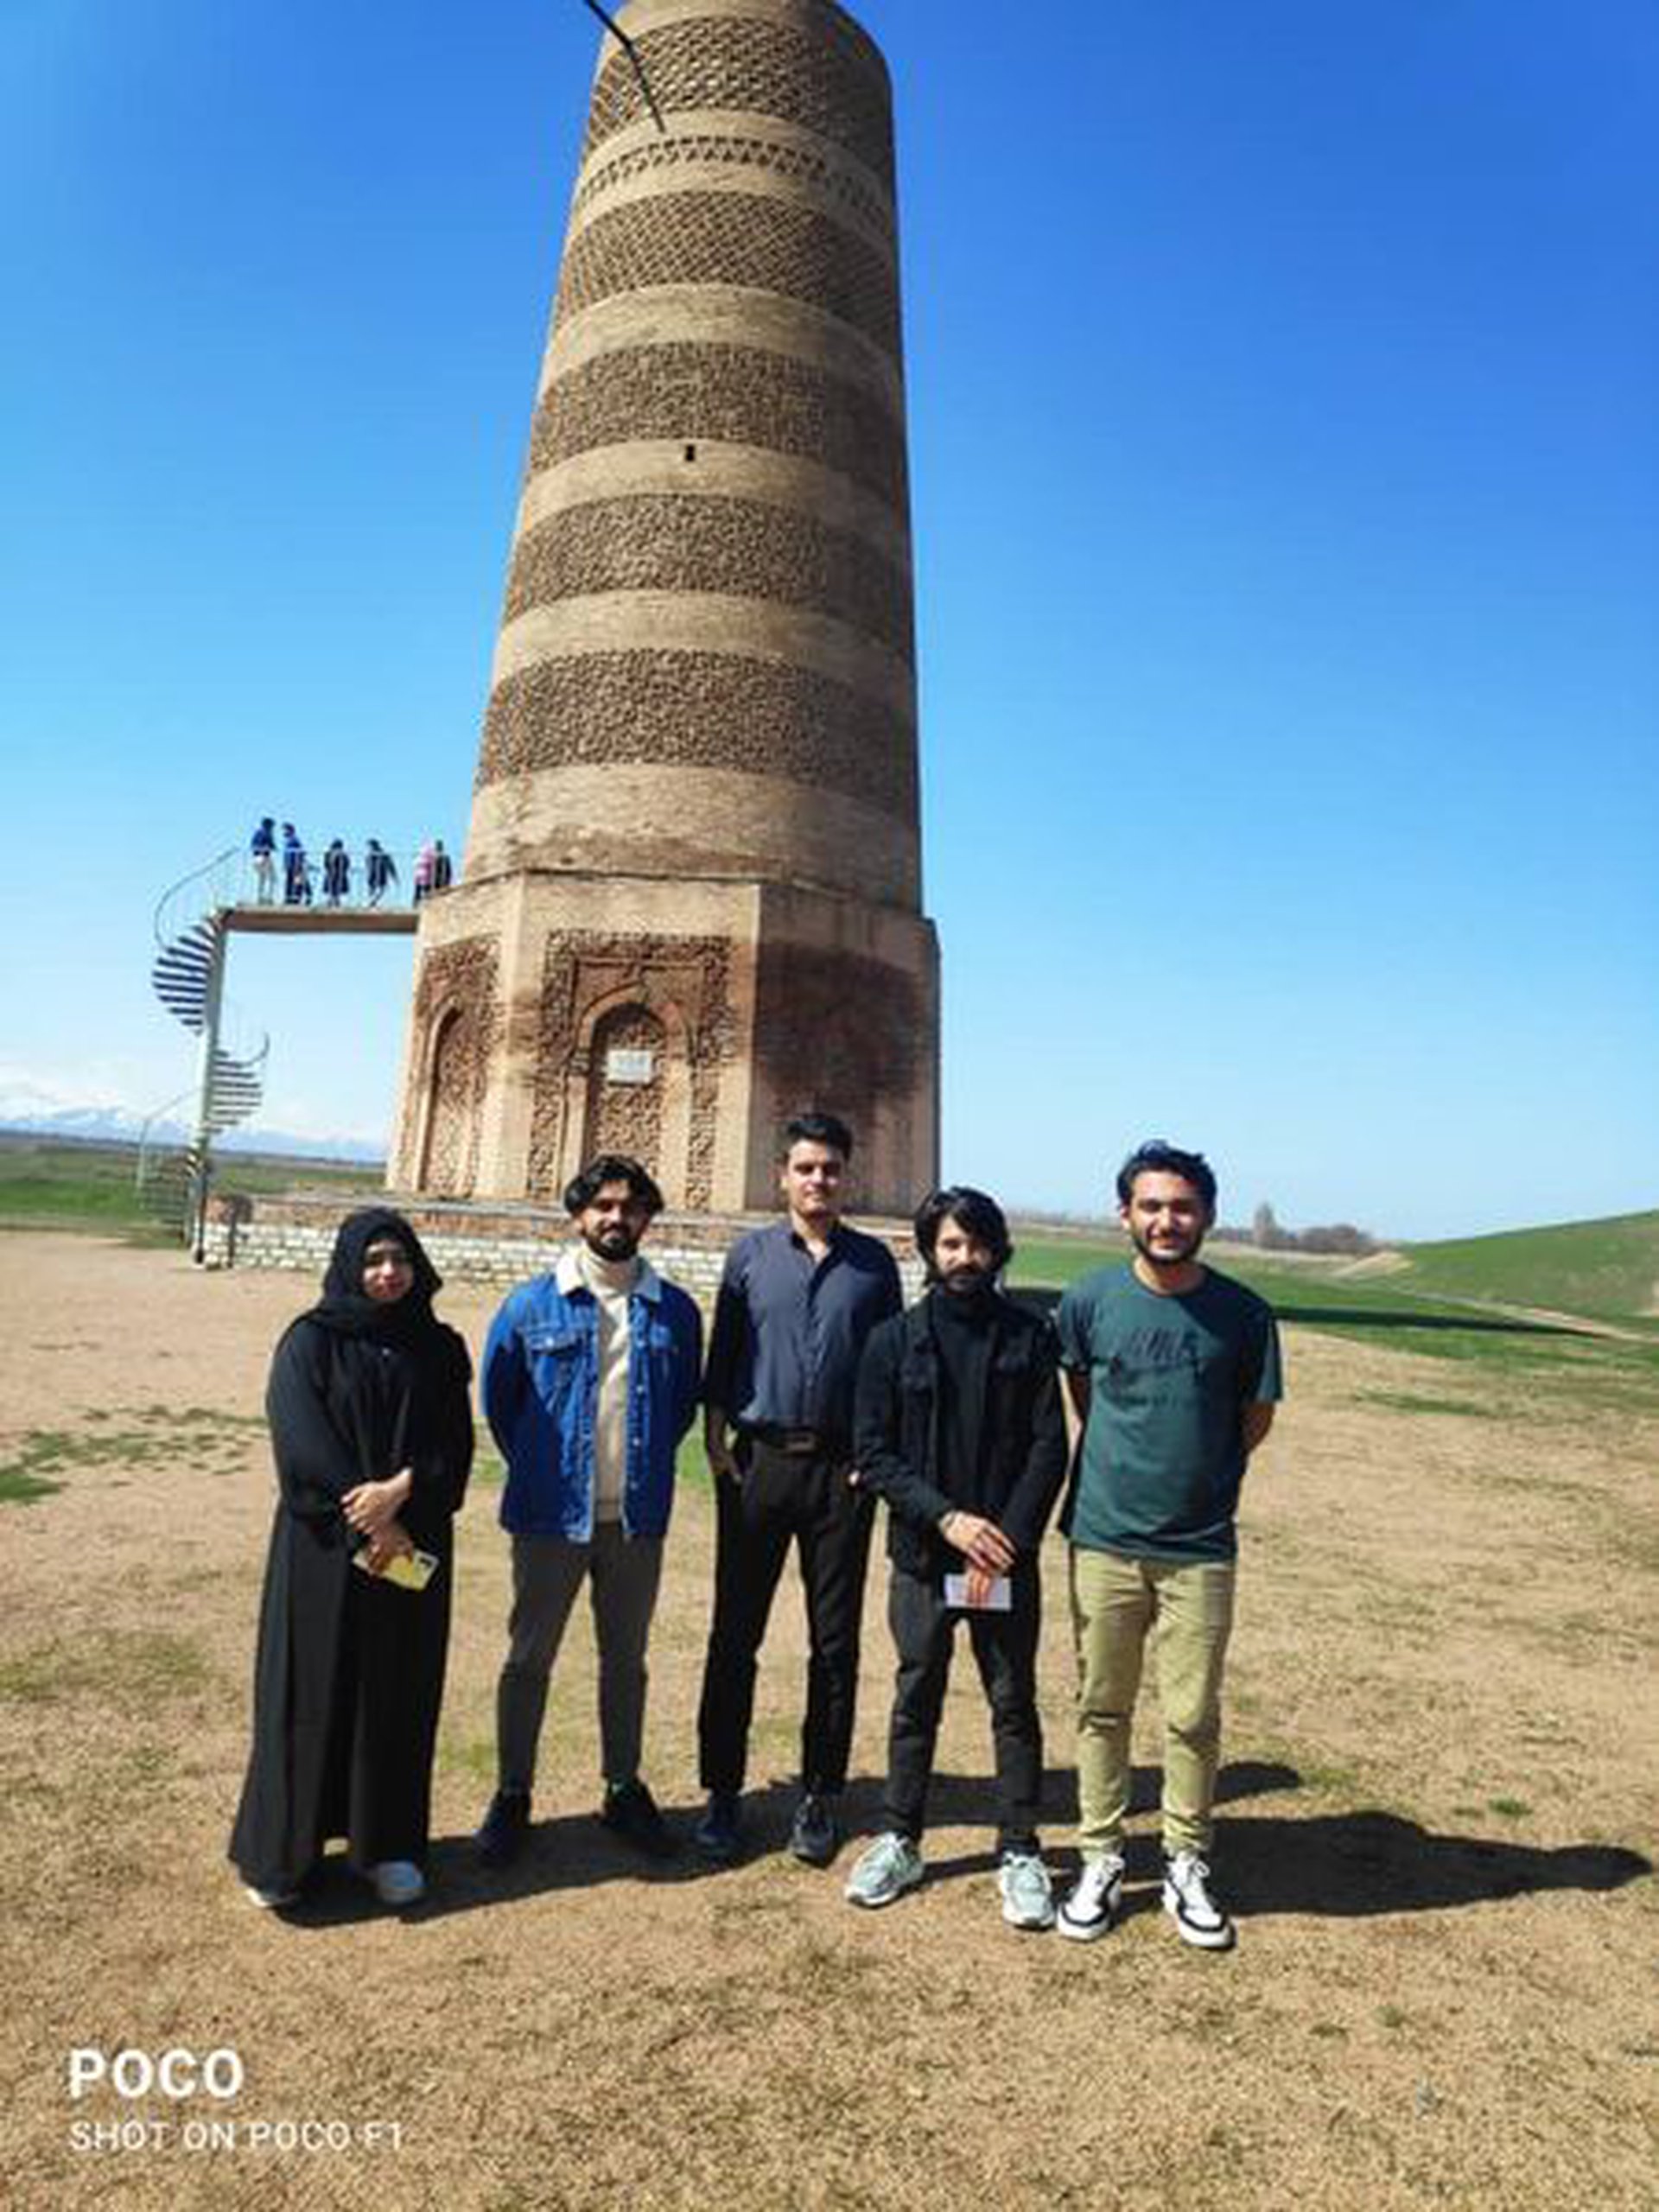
point(167, 928)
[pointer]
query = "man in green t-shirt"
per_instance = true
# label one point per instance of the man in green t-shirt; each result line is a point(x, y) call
point(1174, 1371)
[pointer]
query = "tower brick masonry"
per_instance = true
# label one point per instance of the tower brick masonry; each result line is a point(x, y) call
point(691, 900)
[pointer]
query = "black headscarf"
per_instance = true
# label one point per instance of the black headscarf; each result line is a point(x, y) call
point(346, 1308)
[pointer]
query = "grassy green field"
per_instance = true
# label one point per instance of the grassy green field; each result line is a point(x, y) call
point(1599, 1270)
point(1607, 1270)
point(1393, 1314)
point(45, 1184)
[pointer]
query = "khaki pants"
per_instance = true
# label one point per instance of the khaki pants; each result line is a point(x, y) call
point(1188, 1610)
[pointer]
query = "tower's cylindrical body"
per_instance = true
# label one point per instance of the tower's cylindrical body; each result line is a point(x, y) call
point(691, 892)
point(706, 664)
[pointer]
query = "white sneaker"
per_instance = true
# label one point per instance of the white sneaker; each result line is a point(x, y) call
point(1092, 1907)
point(268, 1900)
point(397, 1882)
point(1198, 1919)
point(1027, 1897)
point(882, 1873)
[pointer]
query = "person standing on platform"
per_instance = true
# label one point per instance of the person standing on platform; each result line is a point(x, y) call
point(1174, 1372)
point(961, 1431)
point(797, 1301)
point(296, 870)
point(336, 872)
point(262, 846)
point(589, 1383)
point(379, 871)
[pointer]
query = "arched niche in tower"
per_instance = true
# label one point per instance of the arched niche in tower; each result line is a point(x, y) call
point(449, 1135)
point(630, 1084)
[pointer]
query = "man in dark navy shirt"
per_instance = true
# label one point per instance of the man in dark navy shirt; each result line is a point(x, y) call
point(797, 1301)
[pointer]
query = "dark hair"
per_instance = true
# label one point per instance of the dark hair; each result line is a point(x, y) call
point(1158, 1157)
point(973, 1211)
point(612, 1167)
point(816, 1128)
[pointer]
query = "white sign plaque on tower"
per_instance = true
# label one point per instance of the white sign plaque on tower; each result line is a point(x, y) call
point(629, 1064)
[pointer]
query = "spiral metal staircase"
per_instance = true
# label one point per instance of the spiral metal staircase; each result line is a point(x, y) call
point(188, 976)
point(370, 893)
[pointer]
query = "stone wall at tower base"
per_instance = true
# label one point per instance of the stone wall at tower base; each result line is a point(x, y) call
point(497, 1244)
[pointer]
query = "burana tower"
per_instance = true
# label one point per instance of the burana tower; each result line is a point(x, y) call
point(691, 896)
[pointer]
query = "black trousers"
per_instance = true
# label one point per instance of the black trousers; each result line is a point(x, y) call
point(1005, 1648)
point(785, 1497)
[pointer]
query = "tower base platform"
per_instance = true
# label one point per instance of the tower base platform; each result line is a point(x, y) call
point(558, 1015)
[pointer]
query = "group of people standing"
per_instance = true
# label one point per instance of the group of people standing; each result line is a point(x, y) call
point(821, 1395)
point(272, 854)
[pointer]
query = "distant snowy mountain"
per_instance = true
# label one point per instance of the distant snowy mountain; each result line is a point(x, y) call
point(27, 1110)
point(93, 1124)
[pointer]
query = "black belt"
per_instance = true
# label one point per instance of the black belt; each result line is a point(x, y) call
point(798, 1443)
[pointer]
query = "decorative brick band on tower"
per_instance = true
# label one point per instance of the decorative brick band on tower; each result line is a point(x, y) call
point(691, 900)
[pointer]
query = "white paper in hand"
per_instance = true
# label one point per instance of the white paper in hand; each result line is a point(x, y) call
point(998, 1598)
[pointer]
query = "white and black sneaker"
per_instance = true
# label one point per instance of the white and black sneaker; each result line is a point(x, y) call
point(1198, 1919)
point(1091, 1908)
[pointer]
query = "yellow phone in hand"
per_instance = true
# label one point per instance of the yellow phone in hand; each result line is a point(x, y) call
point(409, 1570)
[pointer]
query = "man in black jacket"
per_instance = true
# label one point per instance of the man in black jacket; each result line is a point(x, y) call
point(959, 1427)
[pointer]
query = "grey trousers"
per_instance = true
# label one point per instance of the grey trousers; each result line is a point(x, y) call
point(621, 1573)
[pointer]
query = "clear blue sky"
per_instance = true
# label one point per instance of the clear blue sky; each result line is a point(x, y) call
point(1282, 388)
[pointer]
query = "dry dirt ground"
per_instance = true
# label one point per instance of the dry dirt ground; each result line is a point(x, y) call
point(1437, 1818)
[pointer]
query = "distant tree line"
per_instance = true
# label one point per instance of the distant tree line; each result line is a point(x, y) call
point(1266, 1232)
point(1269, 1234)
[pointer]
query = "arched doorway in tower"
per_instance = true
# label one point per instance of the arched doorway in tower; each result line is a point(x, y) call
point(627, 1079)
point(449, 1156)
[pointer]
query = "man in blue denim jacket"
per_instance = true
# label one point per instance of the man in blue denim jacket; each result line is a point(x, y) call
point(589, 1381)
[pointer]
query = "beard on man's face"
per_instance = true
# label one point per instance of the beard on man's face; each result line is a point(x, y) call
point(612, 1240)
point(1167, 1247)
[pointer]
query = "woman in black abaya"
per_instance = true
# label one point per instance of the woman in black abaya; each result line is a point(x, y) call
point(371, 1429)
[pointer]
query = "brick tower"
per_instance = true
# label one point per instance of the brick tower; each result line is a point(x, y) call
point(691, 900)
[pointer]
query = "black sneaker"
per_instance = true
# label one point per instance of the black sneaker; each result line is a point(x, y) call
point(815, 1836)
point(630, 1811)
point(718, 1836)
point(501, 1834)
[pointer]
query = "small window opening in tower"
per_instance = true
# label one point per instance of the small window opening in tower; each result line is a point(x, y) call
point(690, 452)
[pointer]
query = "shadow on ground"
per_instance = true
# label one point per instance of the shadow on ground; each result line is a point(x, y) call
point(563, 1851)
point(1344, 1865)
point(969, 1801)
point(1331, 1865)
point(1361, 1317)
point(1335, 1865)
